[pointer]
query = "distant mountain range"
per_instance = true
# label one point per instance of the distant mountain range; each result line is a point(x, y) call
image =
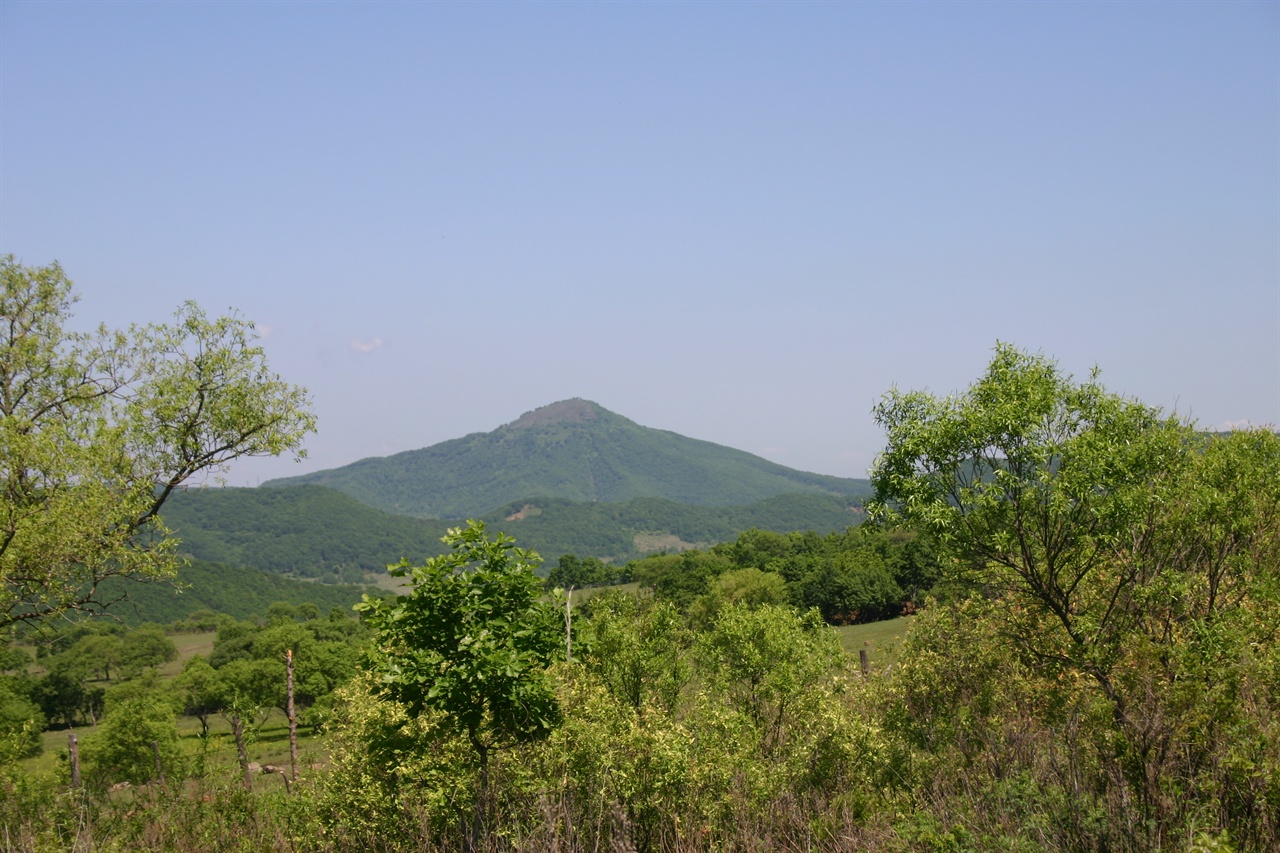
point(574, 450)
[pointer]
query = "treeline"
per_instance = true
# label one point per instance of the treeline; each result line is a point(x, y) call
point(861, 574)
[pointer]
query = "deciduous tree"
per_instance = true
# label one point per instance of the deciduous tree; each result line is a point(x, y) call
point(98, 430)
point(473, 639)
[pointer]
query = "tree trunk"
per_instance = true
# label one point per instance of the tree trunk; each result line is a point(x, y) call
point(237, 731)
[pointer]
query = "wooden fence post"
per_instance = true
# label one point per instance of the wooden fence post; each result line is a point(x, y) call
point(862, 660)
point(155, 750)
point(568, 625)
point(293, 717)
point(73, 749)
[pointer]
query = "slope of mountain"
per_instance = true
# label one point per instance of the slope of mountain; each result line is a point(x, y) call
point(318, 533)
point(308, 532)
point(630, 529)
point(236, 590)
point(576, 450)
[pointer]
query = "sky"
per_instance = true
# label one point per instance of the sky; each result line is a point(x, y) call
point(742, 222)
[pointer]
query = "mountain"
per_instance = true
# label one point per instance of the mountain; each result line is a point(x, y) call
point(575, 450)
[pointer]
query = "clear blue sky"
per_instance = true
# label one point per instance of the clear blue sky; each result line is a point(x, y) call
point(739, 221)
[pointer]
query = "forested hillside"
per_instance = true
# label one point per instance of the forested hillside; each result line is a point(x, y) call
point(237, 591)
point(576, 450)
point(621, 531)
point(316, 532)
point(308, 532)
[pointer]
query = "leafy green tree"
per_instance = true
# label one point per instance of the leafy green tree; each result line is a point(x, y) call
point(1127, 558)
point(749, 587)
point(21, 723)
point(98, 430)
point(473, 639)
point(145, 647)
point(200, 691)
point(578, 573)
point(92, 656)
point(764, 659)
point(125, 747)
point(639, 648)
point(247, 691)
point(66, 698)
point(854, 586)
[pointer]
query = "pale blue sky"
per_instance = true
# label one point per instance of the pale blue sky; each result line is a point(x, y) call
point(742, 222)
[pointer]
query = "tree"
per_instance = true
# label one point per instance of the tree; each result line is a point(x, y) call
point(764, 659)
point(639, 649)
point(98, 430)
point(21, 723)
point(1126, 557)
point(137, 742)
point(853, 586)
point(473, 639)
point(145, 647)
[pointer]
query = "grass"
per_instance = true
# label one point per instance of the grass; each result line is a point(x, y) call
point(880, 639)
point(189, 645)
point(269, 744)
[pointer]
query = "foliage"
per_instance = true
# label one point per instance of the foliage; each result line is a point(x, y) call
point(1132, 567)
point(316, 532)
point(472, 640)
point(763, 659)
point(638, 648)
point(125, 746)
point(573, 573)
point(855, 575)
point(309, 532)
point(97, 431)
point(21, 722)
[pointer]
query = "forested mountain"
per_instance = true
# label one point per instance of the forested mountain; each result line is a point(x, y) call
point(316, 532)
point(575, 450)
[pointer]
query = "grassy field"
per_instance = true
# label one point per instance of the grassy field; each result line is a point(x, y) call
point(269, 744)
point(189, 645)
point(880, 639)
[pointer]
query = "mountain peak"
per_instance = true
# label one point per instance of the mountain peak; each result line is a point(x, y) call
point(575, 411)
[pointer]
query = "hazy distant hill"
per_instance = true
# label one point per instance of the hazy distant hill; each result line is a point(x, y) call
point(575, 450)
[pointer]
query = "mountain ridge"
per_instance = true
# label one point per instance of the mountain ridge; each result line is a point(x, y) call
point(573, 449)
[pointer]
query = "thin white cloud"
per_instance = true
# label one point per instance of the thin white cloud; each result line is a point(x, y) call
point(1228, 426)
point(264, 331)
point(365, 346)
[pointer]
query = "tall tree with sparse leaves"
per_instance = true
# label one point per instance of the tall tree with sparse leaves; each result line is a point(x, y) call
point(98, 430)
point(1126, 557)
